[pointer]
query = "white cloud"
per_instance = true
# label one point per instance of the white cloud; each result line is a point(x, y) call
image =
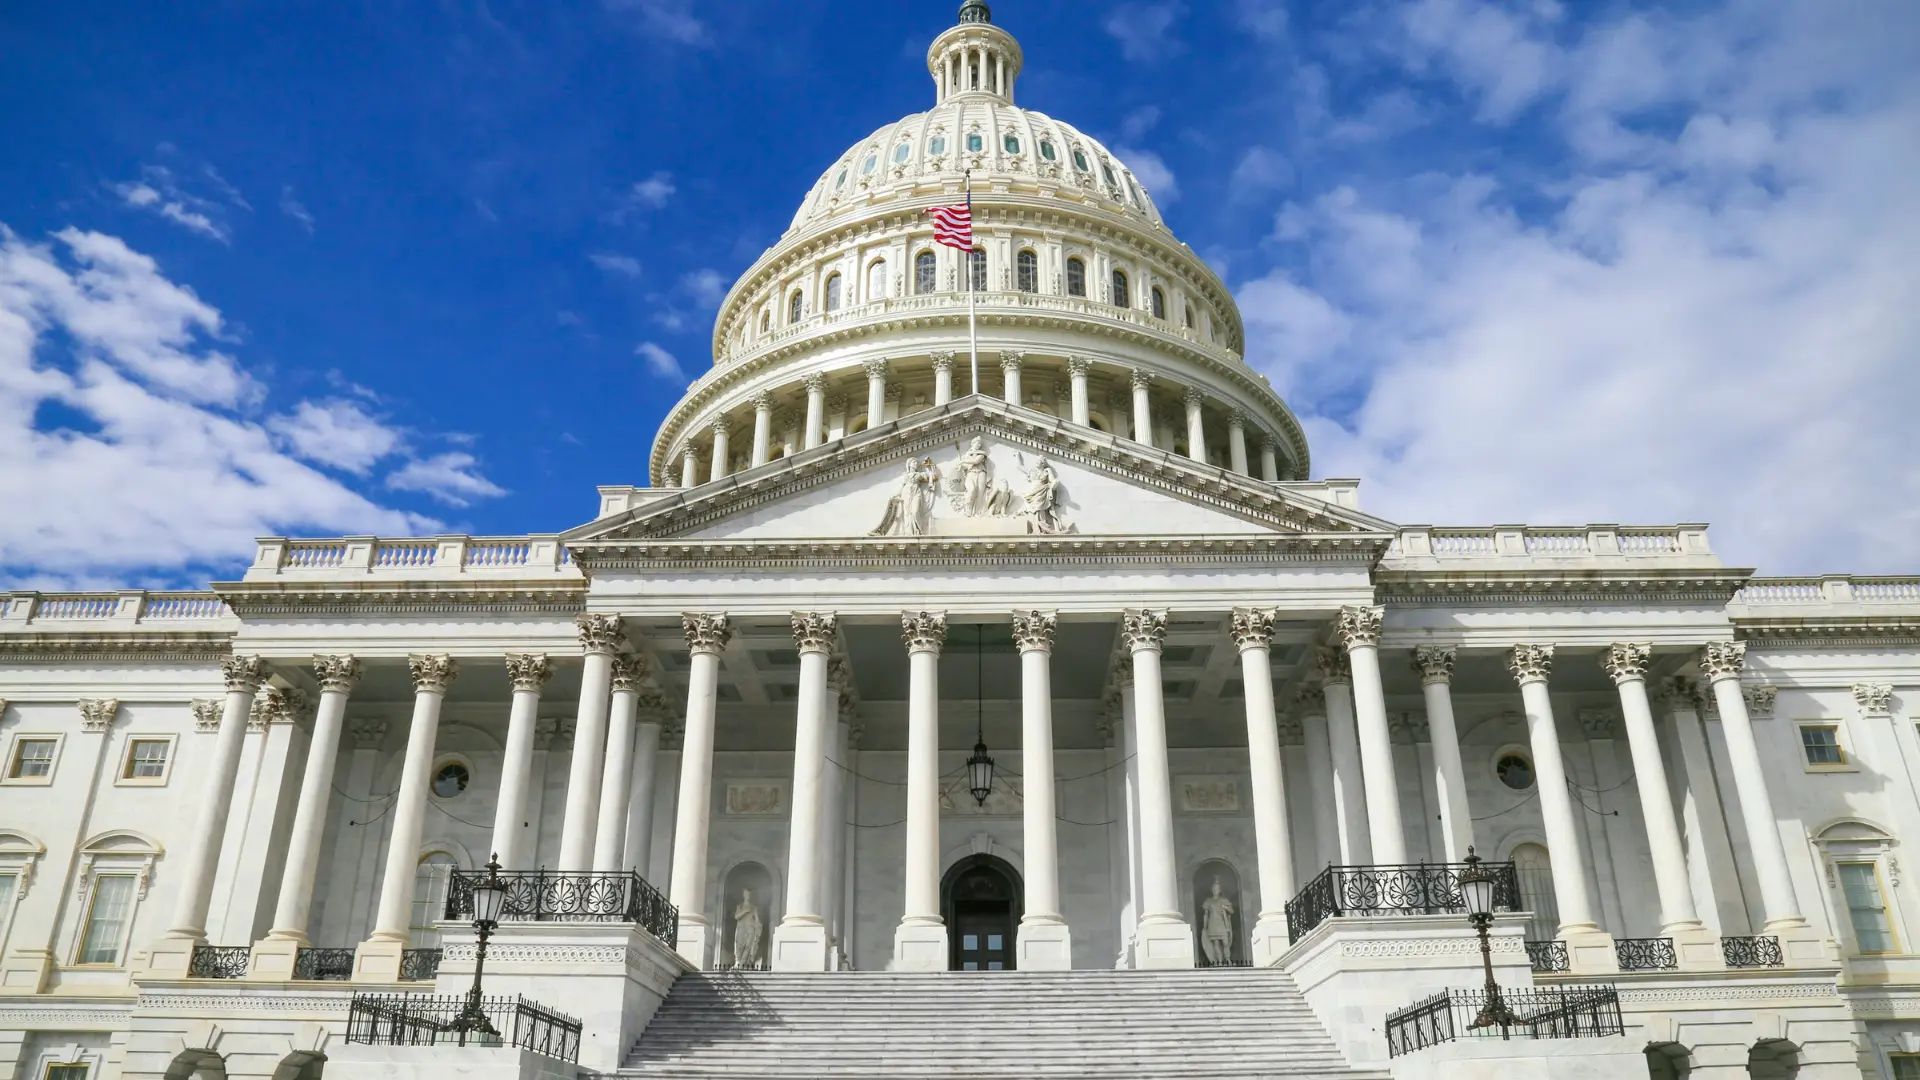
point(660, 362)
point(336, 433)
point(1259, 171)
point(616, 263)
point(672, 20)
point(1139, 122)
point(1145, 30)
point(448, 477)
point(706, 287)
point(1489, 48)
point(1152, 173)
point(1265, 18)
point(144, 197)
point(294, 208)
point(650, 194)
point(159, 191)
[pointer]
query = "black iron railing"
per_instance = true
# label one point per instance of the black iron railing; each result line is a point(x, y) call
point(1646, 954)
point(419, 965)
point(1752, 952)
point(1548, 956)
point(219, 962)
point(426, 1020)
point(1561, 1012)
point(331, 965)
point(541, 896)
point(1423, 889)
point(1229, 962)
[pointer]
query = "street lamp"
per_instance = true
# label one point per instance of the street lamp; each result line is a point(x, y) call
point(979, 766)
point(1477, 888)
point(489, 900)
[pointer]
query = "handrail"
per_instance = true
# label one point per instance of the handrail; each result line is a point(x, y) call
point(549, 896)
point(1418, 889)
point(1558, 1012)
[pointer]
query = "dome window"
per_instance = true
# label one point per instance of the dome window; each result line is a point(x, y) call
point(1046, 149)
point(1112, 180)
point(1159, 303)
point(937, 145)
point(924, 274)
point(1012, 143)
point(840, 181)
point(1187, 310)
point(977, 270)
point(1080, 161)
point(975, 143)
point(1135, 190)
point(867, 166)
point(1122, 293)
point(900, 154)
point(794, 308)
point(877, 280)
point(833, 292)
point(766, 321)
point(1076, 277)
point(1027, 271)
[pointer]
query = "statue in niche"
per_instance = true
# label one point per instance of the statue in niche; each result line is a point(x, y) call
point(1216, 928)
point(910, 511)
point(746, 933)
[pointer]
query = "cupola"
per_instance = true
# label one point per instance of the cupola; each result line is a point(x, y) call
point(974, 59)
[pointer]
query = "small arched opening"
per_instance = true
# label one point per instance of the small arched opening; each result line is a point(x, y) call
point(1668, 1061)
point(197, 1065)
point(747, 907)
point(980, 900)
point(1773, 1059)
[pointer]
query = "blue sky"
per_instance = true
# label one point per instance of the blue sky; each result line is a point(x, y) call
point(414, 267)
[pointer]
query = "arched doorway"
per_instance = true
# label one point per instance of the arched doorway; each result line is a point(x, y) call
point(980, 900)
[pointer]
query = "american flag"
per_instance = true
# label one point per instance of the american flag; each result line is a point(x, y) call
point(953, 225)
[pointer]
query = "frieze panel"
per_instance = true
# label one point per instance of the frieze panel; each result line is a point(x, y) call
point(1208, 794)
point(755, 798)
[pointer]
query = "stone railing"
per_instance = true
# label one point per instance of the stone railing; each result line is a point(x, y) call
point(64, 611)
point(1834, 589)
point(412, 557)
point(1538, 543)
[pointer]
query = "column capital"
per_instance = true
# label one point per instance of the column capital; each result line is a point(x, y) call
point(839, 676)
point(1143, 629)
point(1723, 659)
point(923, 631)
point(1678, 692)
point(206, 714)
point(1434, 664)
point(629, 670)
point(1599, 723)
point(1011, 359)
point(706, 632)
point(719, 428)
point(875, 368)
point(1034, 630)
point(1625, 660)
point(1237, 419)
point(275, 705)
point(432, 672)
point(689, 452)
point(1194, 397)
point(1139, 379)
point(836, 404)
point(1531, 663)
point(1874, 699)
point(1334, 665)
point(651, 706)
point(815, 383)
point(1312, 700)
point(1359, 626)
point(942, 361)
point(763, 402)
point(1122, 672)
point(368, 733)
point(338, 673)
point(1252, 628)
point(599, 633)
point(529, 671)
point(97, 714)
point(1079, 366)
point(815, 631)
point(244, 673)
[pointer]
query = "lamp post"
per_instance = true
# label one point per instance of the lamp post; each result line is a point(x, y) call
point(1477, 888)
point(489, 899)
point(979, 766)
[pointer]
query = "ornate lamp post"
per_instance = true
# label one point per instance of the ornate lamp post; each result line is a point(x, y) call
point(489, 900)
point(979, 766)
point(1477, 888)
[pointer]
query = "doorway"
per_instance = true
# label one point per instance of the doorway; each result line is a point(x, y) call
point(980, 899)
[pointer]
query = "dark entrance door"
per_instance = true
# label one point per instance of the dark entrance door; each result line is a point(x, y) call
point(982, 912)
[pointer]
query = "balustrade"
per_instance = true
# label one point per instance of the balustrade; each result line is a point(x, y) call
point(1420, 889)
point(1752, 952)
point(419, 965)
point(219, 962)
point(1646, 954)
point(543, 896)
point(1548, 956)
point(324, 965)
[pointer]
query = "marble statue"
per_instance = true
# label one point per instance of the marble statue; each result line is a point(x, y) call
point(1041, 500)
point(1216, 927)
point(910, 511)
point(971, 488)
point(747, 930)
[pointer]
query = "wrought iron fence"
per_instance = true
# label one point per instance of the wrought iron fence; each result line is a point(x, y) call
point(1229, 962)
point(1548, 956)
point(1422, 889)
point(540, 896)
point(331, 965)
point(419, 965)
point(1752, 952)
point(219, 961)
point(427, 1020)
point(1646, 954)
point(1561, 1012)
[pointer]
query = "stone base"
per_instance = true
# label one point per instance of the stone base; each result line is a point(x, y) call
point(446, 1063)
point(1043, 945)
point(377, 959)
point(800, 946)
point(1269, 940)
point(26, 971)
point(919, 946)
point(1163, 945)
point(1803, 946)
point(1614, 1057)
point(171, 956)
point(272, 959)
point(1696, 948)
point(1590, 952)
point(696, 943)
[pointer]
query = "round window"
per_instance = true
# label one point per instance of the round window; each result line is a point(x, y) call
point(937, 145)
point(1514, 771)
point(975, 143)
point(900, 154)
point(1080, 161)
point(1012, 144)
point(451, 779)
point(1046, 149)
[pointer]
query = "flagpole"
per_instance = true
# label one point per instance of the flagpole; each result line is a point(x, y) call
point(973, 335)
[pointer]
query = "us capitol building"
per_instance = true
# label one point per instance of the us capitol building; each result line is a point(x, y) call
point(905, 704)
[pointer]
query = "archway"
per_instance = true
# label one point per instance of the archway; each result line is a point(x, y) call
point(746, 911)
point(301, 1065)
point(197, 1065)
point(1668, 1061)
point(980, 900)
point(1773, 1059)
point(1223, 915)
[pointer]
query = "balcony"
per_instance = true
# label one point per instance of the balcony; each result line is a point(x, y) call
point(1371, 891)
point(542, 896)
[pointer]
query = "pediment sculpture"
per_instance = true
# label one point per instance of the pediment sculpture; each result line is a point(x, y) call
point(969, 489)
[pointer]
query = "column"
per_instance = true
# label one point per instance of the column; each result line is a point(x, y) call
point(762, 429)
point(1196, 426)
point(1165, 939)
point(920, 941)
point(707, 637)
point(1359, 630)
point(513, 835)
point(719, 430)
point(600, 637)
point(800, 941)
point(378, 958)
point(1320, 786)
point(172, 955)
point(1237, 443)
point(1044, 942)
point(1531, 664)
point(274, 957)
point(1077, 368)
point(651, 708)
point(1720, 662)
point(1269, 462)
point(1142, 408)
point(1343, 749)
point(833, 809)
point(816, 385)
point(1253, 635)
point(876, 392)
point(942, 378)
point(616, 776)
point(1130, 746)
point(690, 467)
point(1010, 376)
point(1627, 664)
point(1434, 665)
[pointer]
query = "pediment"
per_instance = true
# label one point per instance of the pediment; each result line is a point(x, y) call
point(977, 469)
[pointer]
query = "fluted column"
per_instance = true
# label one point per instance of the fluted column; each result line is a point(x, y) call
point(600, 638)
point(942, 378)
point(337, 676)
point(378, 958)
point(616, 776)
point(652, 708)
point(1077, 369)
point(1165, 940)
point(1720, 662)
point(1196, 425)
point(1531, 664)
point(1237, 443)
point(920, 942)
point(1627, 664)
point(1434, 665)
point(720, 449)
point(690, 467)
point(1269, 462)
point(1043, 941)
point(1359, 631)
point(876, 392)
point(816, 385)
point(512, 843)
point(1320, 789)
point(1010, 362)
point(1142, 408)
point(1253, 636)
point(800, 941)
point(707, 637)
point(1343, 749)
point(762, 429)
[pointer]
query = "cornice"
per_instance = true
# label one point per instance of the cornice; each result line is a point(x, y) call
point(1639, 583)
point(267, 598)
point(1869, 632)
point(1350, 549)
point(72, 647)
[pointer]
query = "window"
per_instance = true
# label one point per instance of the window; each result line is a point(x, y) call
point(1012, 144)
point(32, 758)
point(1076, 278)
point(1122, 295)
point(1046, 149)
point(9, 885)
point(1534, 867)
point(1187, 310)
point(1134, 190)
point(840, 181)
point(1821, 743)
point(451, 779)
point(925, 277)
point(975, 143)
point(1905, 1066)
point(833, 292)
point(977, 270)
point(766, 321)
point(1866, 907)
point(430, 880)
point(1113, 181)
point(793, 308)
point(1027, 271)
point(108, 912)
point(877, 280)
point(1515, 771)
point(866, 167)
point(900, 154)
point(146, 759)
point(937, 145)
point(1080, 160)
point(67, 1071)
point(1159, 303)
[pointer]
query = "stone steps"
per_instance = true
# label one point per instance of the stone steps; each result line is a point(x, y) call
point(1240, 1023)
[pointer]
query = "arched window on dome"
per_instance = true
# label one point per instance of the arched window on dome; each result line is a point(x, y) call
point(1012, 143)
point(766, 321)
point(867, 166)
point(1159, 303)
point(1112, 180)
point(1187, 309)
point(925, 273)
point(937, 145)
point(833, 292)
point(877, 280)
point(1080, 160)
point(975, 143)
point(900, 153)
point(840, 181)
point(977, 270)
point(793, 308)
point(1027, 271)
point(1122, 292)
point(1046, 149)
point(1076, 277)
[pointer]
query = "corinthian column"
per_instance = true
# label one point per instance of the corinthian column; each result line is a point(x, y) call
point(652, 708)
point(690, 467)
point(800, 941)
point(1010, 362)
point(762, 429)
point(600, 637)
point(1043, 942)
point(1721, 662)
point(337, 675)
point(1434, 665)
point(1196, 425)
point(528, 673)
point(720, 449)
point(1531, 664)
point(1343, 747)
point(1269, 460)
point(942, 378)
point(616, 775)
point(876, 391)
point(920, 942)
point(707, 637)
point(1142, 408)
point(1077, 369)
point(1627, 664)
point(1237, 442)
point(1359, 631)
point(816, 385)
point(378, 958)
point(1253, 635)
point(1164, 940)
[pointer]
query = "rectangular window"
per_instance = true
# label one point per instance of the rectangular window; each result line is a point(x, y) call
point(1866, 907)
point(1821, 742)
point(1905, 1066)
point(107, 918)
point(147, 759)
point(68, 1071)
point(31, 758)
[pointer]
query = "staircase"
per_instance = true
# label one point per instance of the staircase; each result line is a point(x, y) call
point(1240, 1023)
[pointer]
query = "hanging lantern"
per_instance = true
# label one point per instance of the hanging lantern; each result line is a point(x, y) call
point(980, 773)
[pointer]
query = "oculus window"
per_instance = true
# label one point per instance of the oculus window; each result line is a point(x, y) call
point(1514, 771)
point(450, 779)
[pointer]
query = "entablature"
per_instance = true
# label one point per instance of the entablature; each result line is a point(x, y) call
point(1834, 610)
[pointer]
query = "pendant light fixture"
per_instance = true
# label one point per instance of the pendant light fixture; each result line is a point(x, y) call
point(979, 766)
